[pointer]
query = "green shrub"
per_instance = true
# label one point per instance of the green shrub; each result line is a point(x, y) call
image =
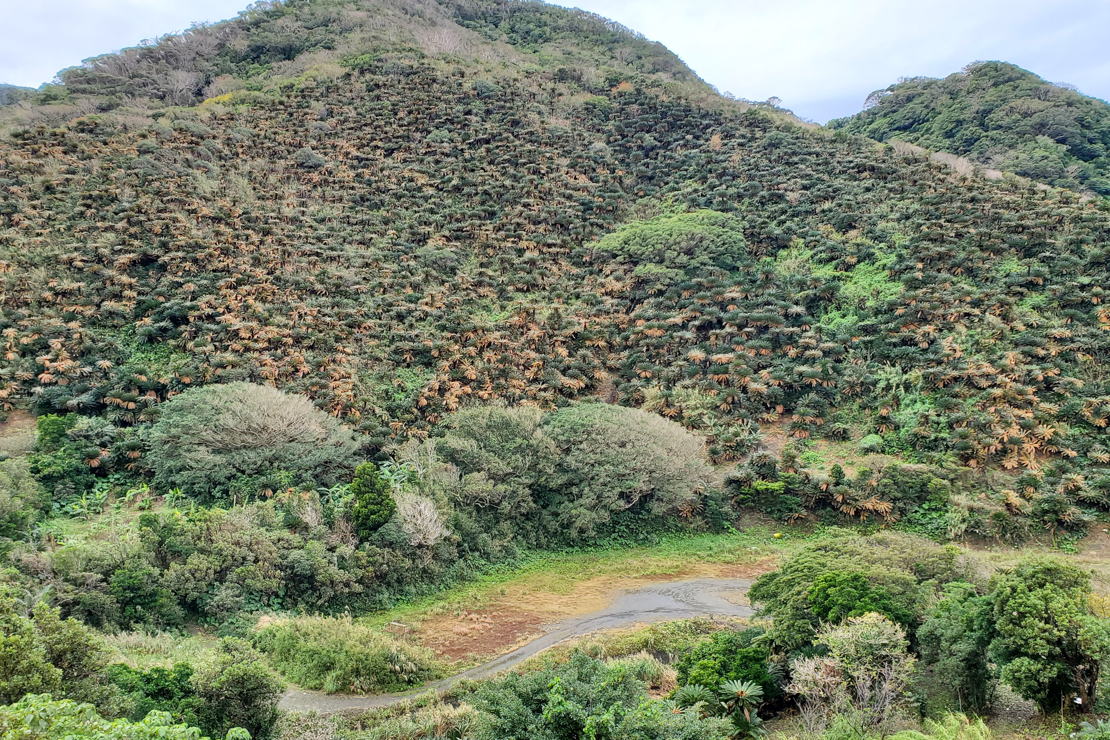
point(308, 159)
point(63, 472)
point(374, 504)
point(954, 641)
point(24, 668)
point(583, 698)
point(952, 727)
point(839, 595)
point(680, 244)
point(338, 654)
point(902, 572)
point(729, 655)
point(503, 455)
point(613, 458)
point(21, 498)
point(38, 717)
point(212, 438)
point(142, 599)
point(237, 690)
point(871, 444)
point(81, 658)
point(159, 689)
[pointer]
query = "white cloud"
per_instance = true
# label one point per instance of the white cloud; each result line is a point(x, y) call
point(821, 57)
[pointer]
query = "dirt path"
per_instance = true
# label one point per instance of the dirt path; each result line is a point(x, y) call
point(656, 602)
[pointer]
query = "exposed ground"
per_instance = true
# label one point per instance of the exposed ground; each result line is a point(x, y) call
point(17, 433)
point(652, 602)
point(521, 613)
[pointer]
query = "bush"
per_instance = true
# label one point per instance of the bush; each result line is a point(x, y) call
point(871, 444)
point(142, 599)
point(901, 571)
point(338, 654)
point(954, 641)
point(503, 455)
point(583, 698)
point(38, 717)
point(214, 440)
point(20, 497)
point(24, 668)
point(374, 504)
point(309, 160)
point(728, 656)
point(951, 727)
point(237, 690)
point(612, 459)
point(862, 681)
point(839, 595)
point(80, 656)
point(159, 689)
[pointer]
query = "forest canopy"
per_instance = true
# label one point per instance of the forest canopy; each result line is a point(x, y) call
point(1001, 116)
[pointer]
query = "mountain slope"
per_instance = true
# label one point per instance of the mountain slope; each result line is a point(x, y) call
point(12, 93)
point(999, 115)
point(397, 233)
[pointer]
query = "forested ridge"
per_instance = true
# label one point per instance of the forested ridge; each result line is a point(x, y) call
point(1000, 116)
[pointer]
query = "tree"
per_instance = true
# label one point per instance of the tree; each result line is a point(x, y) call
point(374, 503)
point(507, 450)
point(1049, 646)
point(24, 668)
point(238, 691)
point(865, 676)
point(613, 458)
point(728, 655)
point(839, 595)
point(954, 641)
point(143, 600)
point(214, 440)
point(81, 658)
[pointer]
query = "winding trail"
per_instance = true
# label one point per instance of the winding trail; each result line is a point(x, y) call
point(656, 602)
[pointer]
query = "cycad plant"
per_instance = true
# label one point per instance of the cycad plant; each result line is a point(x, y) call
point(740, 700)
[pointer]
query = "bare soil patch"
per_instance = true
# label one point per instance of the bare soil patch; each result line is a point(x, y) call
point(17, 433)
point(519, 615)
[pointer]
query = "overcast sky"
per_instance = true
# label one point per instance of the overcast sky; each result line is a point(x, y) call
point(821, 57)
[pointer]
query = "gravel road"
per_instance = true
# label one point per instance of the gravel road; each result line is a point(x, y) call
point(656, 602)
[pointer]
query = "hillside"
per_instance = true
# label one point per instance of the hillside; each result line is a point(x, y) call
point(12, 93)
point(357, 340)
point(398, 234)
point(1001, 116)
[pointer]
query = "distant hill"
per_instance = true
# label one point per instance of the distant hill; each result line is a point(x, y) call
point(999, 115)
point(12, 93)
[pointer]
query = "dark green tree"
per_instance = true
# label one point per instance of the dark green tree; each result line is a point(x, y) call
point(374, 503)
point(1049, 646)
point(238, 690)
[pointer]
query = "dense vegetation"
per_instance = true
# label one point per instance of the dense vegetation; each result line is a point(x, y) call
point(344, 301)
point(1001, 116)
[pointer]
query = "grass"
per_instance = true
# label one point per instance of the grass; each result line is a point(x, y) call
point(337, 654)
point(145, 650)
point(546, 575)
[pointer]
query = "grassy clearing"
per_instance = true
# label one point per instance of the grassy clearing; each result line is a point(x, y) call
point(145, 651)
point(543, 582)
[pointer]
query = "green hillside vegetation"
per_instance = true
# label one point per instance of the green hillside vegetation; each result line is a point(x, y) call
point(1001, 116)
point(333, 306)
point(13, 93)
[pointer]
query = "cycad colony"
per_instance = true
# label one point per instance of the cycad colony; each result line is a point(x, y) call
point(412, 230)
